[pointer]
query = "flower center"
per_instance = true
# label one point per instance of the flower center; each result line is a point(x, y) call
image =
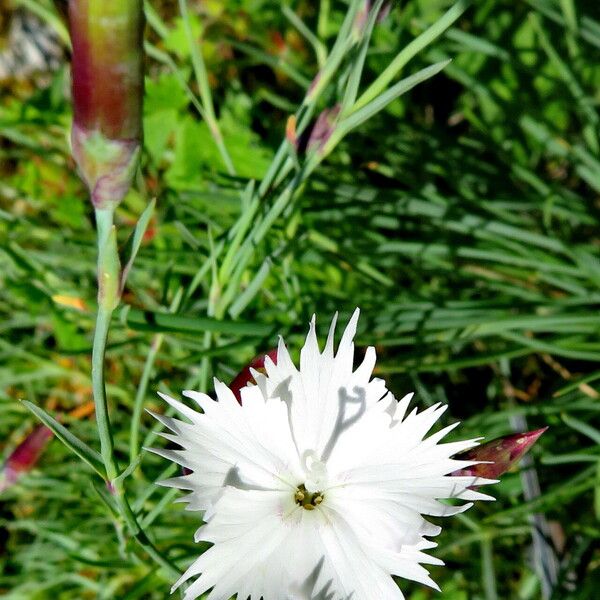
point(307, 500)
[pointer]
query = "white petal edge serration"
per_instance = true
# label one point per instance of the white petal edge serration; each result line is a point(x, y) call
point(341, 435)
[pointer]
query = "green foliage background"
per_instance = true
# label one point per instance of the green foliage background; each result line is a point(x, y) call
point(463, 220)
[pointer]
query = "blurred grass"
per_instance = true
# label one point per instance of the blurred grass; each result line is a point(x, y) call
point(463, 220)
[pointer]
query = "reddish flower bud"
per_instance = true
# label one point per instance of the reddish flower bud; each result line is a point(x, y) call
point(25, 456)
point(108, 81)
point(499, 454)
point(323, 129)
point(244, 377)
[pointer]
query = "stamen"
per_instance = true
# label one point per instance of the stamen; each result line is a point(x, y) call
point(307, 500)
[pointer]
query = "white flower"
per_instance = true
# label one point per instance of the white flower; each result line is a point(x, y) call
point(314, 488)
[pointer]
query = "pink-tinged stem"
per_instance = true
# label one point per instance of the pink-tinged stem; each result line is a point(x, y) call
point(499, 454)
point(244, 377)
point(25, 456)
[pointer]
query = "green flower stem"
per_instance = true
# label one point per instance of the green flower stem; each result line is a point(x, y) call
point(138, 533)
point(104, 224)
point(99, 392)
point(108, 299)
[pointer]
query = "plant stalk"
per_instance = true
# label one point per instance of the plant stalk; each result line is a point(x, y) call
point(104, 223)
point(108, 299)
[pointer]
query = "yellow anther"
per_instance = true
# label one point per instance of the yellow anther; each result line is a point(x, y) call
point(306, 499)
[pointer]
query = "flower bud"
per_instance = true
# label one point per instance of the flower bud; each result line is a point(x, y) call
point(498, 455)
point(107, 73)
point(25, 456)
point(244, 377)
point(323, 129)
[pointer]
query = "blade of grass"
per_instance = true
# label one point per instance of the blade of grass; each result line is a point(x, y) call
point(89, 456)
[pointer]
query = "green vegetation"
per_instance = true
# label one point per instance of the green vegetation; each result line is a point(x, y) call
point(460, 215)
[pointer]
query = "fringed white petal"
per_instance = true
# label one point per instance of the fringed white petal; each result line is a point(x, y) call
point(338, 432)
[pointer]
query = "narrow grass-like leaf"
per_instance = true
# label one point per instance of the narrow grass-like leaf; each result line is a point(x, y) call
point(253, 288)
point(89, 456)
point(356, 69)
point(135, 241)
point(358, 117)
point(311, 38)
point(583, 428)
point(146, 320)
point(409, 52)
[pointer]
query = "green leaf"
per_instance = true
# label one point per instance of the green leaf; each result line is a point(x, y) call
point(134, 242)
point(583, 428)
point(411, 50)
point(91, 457)
point(380, 102)
point(101, 490)
point(164, 94)
point(177, 42)
point(130, 469)
point(67, 333)
point(158, 131)
point(146, 320)
point(253, 288)
point(397, 90)
point(193, 150)
point(356, 70)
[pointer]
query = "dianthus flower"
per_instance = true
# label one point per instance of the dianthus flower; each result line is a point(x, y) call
point(316, 485)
